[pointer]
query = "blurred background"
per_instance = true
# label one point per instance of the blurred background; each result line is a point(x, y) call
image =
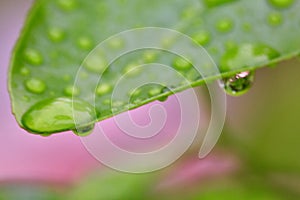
point(257, 156)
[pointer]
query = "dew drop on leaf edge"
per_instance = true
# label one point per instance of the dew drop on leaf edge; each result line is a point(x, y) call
point(57, 115)
point(238, 84)
point(84, 130)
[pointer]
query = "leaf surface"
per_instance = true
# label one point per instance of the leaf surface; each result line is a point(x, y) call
point(49, 68)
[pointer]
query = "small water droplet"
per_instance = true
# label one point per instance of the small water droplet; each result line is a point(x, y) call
point(71, 91)
point(85, 43)
point(35, 85)
point(281, 3)
point(96, 64)
point(117, 104)
point(164, 90)
point(238, 84)
point(134, 93)
point(107, 102)
point(214, 3)
point(202, 38)
point(84, 131)
point(247, 27)
point(275, 19)
point(103, 89)
point(57, 115)
point(25, 71)
point(182, 64)
point(149, 56)
point(33, 57)
point(247, 55)
point(83, 75)
point(67, 77)
point(189, 13)
point(224, 25)
point(192, 75)
point(116, 43)
point(230, 44)
point(154, 91)
point(56, 34)
point(67, 4)
point(132, 69)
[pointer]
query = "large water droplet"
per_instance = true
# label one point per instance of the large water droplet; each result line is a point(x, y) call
point(224, 25)
point(238, 84)
point(84, 131)
point(33, 57)
point(247, 55)
point(35, 85)
point(57, 115)
point(56, 34)
point(275, 19)
point(103, 89)
point(281, 3)
point(202, 38)
point(182, 64)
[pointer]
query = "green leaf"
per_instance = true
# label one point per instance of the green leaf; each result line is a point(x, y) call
point(58, 35)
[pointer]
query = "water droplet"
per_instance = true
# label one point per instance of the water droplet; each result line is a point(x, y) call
point(25, 71)
point(230, 44)
point(103, 89)
point(85, 43)
point(149, 56)
point(164, 90)
point(192, 75)
point(117, 104)
point(35, 85)
point(154, 91)
point(132, 69)
point(67, 4)
point(96, 64)
point(247, 55)
point(214, 3)
point(247, 27)
point(71, 91)
point(116, 43)
point(135, 93)
point(56, 34)
point(202, 38)
point(83, 75)
point(238, 84)
point(224, 25)
point(57, 115)
point(84, 131)
point(107, 102)
point(281, 3)
point(33, 57)
point(189, 13)
point(275, 19)
point(67, 77)
point(182, 64)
